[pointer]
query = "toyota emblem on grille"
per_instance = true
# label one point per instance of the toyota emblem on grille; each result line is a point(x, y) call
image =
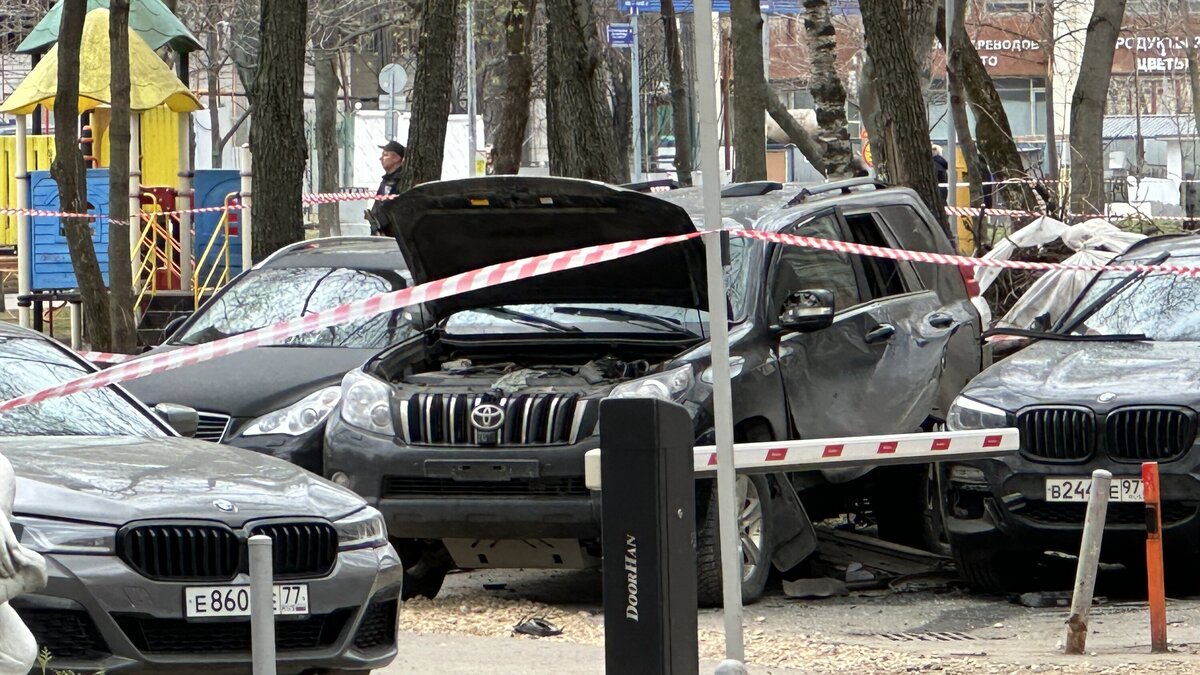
point(224, 505)
point(487, 417)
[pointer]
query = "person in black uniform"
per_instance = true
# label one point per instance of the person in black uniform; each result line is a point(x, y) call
point(392, 160)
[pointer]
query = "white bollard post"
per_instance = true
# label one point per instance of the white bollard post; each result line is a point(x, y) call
point(262, 606)
point(246, 200)
point(76, 326)
point(24, 241)
point(1089, 558)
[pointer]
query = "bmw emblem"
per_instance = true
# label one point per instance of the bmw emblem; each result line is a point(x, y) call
point(224, 505)
point(1106, 397)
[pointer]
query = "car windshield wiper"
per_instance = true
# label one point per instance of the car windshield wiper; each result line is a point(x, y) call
point(1121, 285)
point(1067, 337)
point(528, 319)
point(625, 315)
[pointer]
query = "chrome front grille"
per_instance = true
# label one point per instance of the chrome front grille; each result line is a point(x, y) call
point(1057, 434)
point(212, 426)
point(529, 419)
point(1146, 434)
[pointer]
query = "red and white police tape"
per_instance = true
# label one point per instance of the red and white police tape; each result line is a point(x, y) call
point(852, 451)
point(503, 273)
point(105, 357)
point(276, 333)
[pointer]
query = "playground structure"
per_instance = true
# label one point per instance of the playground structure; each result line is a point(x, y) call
point(177, 259)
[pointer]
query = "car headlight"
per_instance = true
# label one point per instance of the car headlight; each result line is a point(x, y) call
point(366, 403)
point(56, 536)
point(361, 529)
point(967, 413)
point(298, 418)
point(671, 385)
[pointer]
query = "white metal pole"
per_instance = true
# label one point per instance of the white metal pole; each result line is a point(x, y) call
point(24, 241)
point(731, 554)
point(636, 68)
point(1089, 558)
point(389, 127)
point(76, 325)
point(183, 202)
point(262, 606)
point(247, 200)
point(472, 142)
point(135, 197)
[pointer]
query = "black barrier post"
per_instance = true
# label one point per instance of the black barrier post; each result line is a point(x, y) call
point(649, 513)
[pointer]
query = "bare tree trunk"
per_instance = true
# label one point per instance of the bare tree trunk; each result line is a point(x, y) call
point(518, 78)
point(904, 120)
point(958, 106)
point(681, 122)
point(120, 274)
point(431, 93)
point(214, 100)
point(69, 173)
point(325, 100)
point(993, 135)
point(1087, 107)
point(622, 107)
point(828, 94)
point(277, 128)
point(813, 151)
point(578, 118)
point(749, 92)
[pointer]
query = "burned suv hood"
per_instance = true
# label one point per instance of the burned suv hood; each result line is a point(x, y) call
point(114, 480)
point(450, 227)
point(1077, 373)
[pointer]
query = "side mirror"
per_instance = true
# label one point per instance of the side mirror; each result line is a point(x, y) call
point(174, 325)
point(181, 418)
point(807, 310)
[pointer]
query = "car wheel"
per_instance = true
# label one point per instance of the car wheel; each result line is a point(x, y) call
point(426, 562)
point(754, 518)
point(996, 569)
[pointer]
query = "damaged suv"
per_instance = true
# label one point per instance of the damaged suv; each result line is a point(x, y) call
point(470, 437)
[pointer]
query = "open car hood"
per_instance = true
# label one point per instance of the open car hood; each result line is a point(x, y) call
point(450, 227)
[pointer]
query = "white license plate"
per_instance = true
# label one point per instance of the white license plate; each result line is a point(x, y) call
point(203, 601)
point(1078, 489)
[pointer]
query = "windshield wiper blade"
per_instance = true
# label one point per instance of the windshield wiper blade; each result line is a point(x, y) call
point(530, 319)
point(1121, 285)
point(624, 315)
point(1067, 337)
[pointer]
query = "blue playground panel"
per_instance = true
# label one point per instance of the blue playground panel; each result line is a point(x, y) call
point(211, 186)
point(51, 267)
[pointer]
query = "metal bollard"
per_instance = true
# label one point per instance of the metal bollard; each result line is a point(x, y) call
point(1089, 558)
point(262, 606)
point(1156, 592)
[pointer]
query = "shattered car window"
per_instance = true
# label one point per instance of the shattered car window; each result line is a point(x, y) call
point(28, 365)
point(1160, 306)
point(267, 296)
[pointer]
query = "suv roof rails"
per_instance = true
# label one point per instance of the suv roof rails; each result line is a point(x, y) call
point(843, 186)
point(751, 189)
point(653, 185)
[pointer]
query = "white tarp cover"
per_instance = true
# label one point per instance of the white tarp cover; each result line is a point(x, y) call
point(1095, 241)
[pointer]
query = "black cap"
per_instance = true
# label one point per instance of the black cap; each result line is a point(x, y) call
point(393, 146)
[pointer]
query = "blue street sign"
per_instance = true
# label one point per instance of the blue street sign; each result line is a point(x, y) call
point(839, 7)
point(620, 34)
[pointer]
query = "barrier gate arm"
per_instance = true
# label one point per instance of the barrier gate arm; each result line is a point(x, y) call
point(821, 453)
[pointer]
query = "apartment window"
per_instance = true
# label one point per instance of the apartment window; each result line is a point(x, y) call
point(1015, 6)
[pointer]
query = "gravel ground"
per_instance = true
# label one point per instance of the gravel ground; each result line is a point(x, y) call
point(783, 635)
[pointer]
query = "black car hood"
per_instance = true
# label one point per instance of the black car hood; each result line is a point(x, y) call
point(250, 383)
point(115, 480)
point(1126, 373)
point(450, 227)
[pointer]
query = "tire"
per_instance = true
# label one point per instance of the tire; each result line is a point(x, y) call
point(996, 569)
point(754, 518)
point(426, 562)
